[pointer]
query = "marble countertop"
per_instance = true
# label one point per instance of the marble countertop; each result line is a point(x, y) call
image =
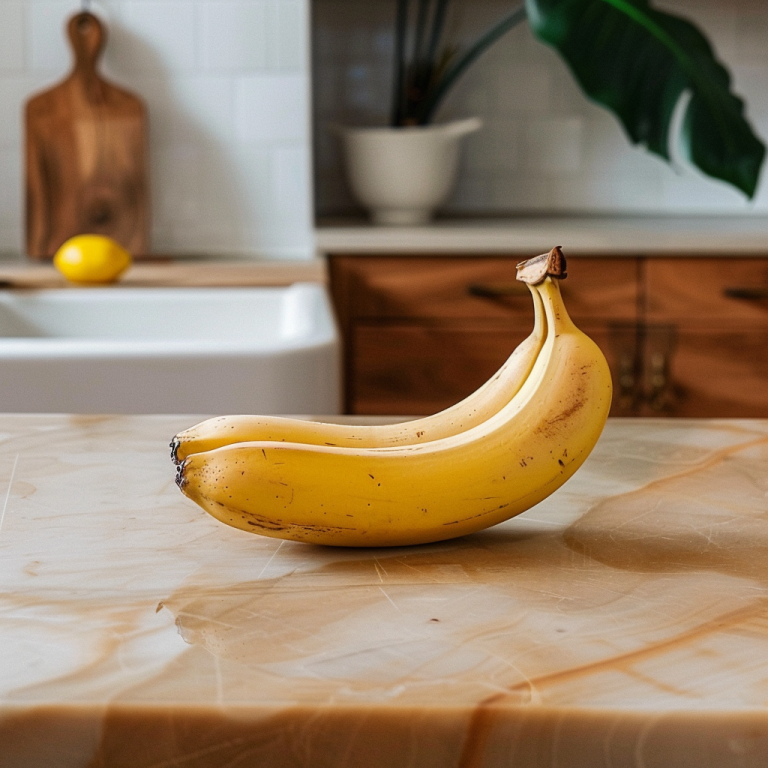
point(622, 622)
point(578, 235)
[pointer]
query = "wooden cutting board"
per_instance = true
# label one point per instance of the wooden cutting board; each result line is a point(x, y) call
point(86, 155)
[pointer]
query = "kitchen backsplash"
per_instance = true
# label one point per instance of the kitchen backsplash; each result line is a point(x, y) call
point(543, 147)
point(227, 86)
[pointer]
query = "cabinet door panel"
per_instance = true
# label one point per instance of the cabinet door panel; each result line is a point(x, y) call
point(707, 290)
point(480, 288)
point(719, 374)
point(418, 370)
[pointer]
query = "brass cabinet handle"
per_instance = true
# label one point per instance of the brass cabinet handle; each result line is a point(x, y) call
point(643, 355)
point(627, 381)
point(746, 294)
point(659, 381)
point(659, 343)
point(498, 290)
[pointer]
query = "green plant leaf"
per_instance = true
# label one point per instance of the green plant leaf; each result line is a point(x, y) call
point(638, 62)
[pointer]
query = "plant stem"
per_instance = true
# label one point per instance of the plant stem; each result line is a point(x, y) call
point(421, 28)
point(398, 91)
point(419, 68)
point(438, 93)
point(438, 22)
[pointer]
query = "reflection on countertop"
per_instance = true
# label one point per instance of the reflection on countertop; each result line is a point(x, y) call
point(621, 622)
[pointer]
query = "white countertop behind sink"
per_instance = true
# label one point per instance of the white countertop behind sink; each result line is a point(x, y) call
point(578, 235)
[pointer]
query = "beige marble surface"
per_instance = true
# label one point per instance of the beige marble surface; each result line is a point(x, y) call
point(623, 622)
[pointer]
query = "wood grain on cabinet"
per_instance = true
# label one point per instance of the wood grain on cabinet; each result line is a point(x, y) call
point(420, 333)
point(709, 319)
point(712, 291)
point(445, 288)
point(421, 369)
point(683, 336)
point(722, 373)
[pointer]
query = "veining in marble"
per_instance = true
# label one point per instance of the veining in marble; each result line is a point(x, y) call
point(622, 622)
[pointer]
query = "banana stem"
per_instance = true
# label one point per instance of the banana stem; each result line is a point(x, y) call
point(549, 290)
point(535, 270)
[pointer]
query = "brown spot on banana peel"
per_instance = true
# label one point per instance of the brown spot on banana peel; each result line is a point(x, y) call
point(552, 426)
point(267, 524)
point(480, 514)
point(264, 523)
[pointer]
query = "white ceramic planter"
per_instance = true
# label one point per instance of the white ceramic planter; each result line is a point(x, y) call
point(402, 175)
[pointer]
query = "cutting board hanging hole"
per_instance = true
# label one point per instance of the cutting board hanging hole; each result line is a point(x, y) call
point(87, 36)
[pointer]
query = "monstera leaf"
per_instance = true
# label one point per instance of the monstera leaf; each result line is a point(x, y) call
point(639, 62)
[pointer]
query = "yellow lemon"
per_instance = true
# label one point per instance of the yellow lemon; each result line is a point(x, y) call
point(91, 259)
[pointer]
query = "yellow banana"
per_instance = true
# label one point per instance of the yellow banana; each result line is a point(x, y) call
point(473, 410)
point(426, 492)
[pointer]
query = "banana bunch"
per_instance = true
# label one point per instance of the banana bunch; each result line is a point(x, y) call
point(486, 401)
point(490, 457)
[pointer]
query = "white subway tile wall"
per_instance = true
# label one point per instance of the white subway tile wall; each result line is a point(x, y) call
point(12, 49)
point(226, 84)
point(10, 190)
point(236, 36)
point(45, 39)
point(544, 147)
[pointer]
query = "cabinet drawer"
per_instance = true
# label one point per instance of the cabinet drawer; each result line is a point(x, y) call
point(720, 373)
point(707, 290)
point(419, 370)
point(476, 288)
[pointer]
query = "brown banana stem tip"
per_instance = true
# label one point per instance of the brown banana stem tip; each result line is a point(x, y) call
point(535, 270)
point(181, 481)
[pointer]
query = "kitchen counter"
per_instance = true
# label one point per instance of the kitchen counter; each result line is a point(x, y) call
point(578, 235)
point(622, 622)
point(164, 272)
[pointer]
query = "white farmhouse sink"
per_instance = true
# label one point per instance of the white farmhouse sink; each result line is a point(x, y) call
point(169, 350)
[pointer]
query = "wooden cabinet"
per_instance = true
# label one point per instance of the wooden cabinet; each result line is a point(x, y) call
point(420, 333)
point(418, 369)
point(685, 337)
point(706, 336)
